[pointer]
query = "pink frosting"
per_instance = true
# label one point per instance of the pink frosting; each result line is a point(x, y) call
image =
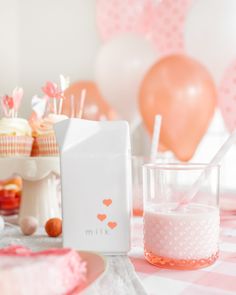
point(45, 126)
point(54, 271)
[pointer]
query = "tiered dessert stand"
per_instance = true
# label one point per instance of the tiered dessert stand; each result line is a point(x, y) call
point(40, 185)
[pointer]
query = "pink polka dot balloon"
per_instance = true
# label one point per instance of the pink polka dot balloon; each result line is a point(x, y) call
point(168, 25)
point(161, 21)
point(227, 97)
point(121, 16)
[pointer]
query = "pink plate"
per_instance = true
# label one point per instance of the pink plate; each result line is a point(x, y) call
point(96, 266)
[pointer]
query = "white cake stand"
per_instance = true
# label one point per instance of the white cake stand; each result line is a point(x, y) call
point(39, 193)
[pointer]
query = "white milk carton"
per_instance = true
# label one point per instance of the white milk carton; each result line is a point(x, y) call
point(96, 184)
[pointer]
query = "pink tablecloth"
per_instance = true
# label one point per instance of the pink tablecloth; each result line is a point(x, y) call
point(219, 278)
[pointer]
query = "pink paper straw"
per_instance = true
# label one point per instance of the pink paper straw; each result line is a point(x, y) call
point(72, 106)
point(81, 104)
point(191, 194)
point(156, 137)
point(60, 106)
point(55, 105)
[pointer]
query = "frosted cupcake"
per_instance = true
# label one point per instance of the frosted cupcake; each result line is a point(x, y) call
point(15, 133)
point(45, 140)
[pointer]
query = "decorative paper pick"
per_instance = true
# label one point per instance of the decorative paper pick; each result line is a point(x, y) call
point(39, 105)
point(65, 82)
point(4, 106)
point(50, 89)
point(7, 105)
point(11, 104)
point(17, 96)
point(4, 110)
point(8, 101)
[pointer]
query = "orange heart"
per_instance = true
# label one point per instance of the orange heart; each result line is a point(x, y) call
point(107, 202)
point(101, 217)
point(112, 224)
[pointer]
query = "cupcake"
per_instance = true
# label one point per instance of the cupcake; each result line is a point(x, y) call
point(48, 111)
point(44, 137)
point(15, 133)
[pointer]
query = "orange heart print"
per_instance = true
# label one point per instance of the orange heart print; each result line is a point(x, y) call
point(112, 224)
point(101, 217)
point(107, 202)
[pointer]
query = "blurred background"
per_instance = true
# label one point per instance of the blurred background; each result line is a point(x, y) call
point(81, 39)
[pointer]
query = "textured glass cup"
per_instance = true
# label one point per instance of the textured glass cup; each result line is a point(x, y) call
point(180, 237)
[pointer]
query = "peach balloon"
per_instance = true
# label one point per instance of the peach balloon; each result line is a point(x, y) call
point(183, 92)
point(95, 107)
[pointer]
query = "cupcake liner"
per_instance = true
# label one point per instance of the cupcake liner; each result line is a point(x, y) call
point(35, 149)
point(15, 145)
point(47, 146)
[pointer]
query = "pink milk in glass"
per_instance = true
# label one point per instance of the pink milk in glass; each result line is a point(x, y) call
point(181, 239)
point(186, 238)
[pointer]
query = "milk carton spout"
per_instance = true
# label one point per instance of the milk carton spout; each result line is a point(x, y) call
point(82, 136)
point(61, 131)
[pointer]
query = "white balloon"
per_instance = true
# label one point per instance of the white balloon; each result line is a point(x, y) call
point(210, 34)
point(120, 67)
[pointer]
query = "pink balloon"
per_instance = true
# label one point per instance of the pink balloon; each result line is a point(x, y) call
point(227, 97)
point(161, 21)
point(168, 25)
point(121, 16)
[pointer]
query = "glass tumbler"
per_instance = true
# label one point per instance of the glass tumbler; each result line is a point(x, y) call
point(181, 235)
